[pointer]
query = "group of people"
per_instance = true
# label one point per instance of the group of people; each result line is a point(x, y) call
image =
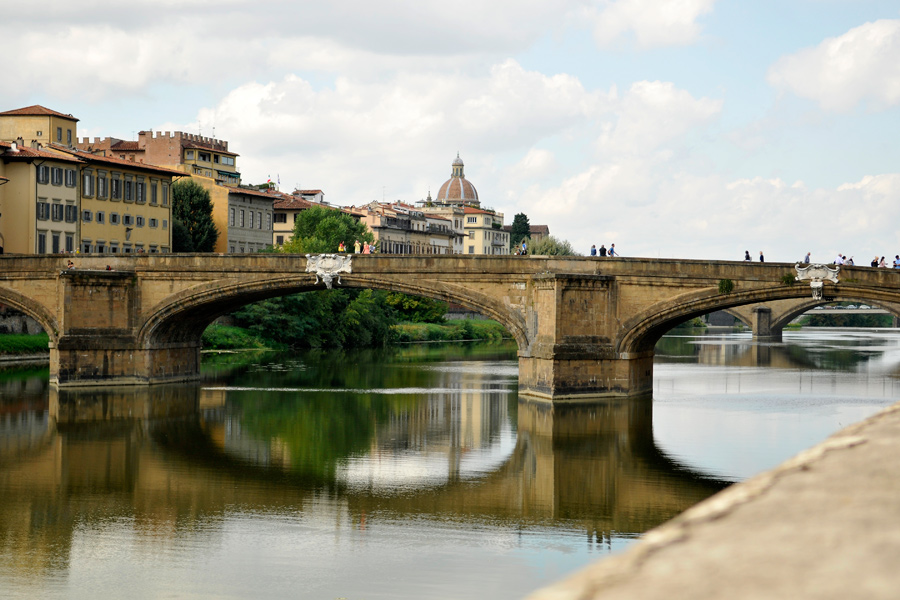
point(603, 251)
point(840, 259)
point(364, 248)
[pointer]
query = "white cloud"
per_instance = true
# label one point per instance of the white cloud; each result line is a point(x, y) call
point(860, 65)
point(652, 22)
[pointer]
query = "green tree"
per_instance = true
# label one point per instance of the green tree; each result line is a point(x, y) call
point(181, 237)
point(521, 229)
point(416, 309)
point(551, 246)
point(192, 206)
point(320, 229)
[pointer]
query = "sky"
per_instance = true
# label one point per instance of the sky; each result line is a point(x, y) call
point(672, 128)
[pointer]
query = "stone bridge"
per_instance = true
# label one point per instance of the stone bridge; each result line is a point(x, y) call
point(585, 328)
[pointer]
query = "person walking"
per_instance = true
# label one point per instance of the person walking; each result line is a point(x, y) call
point(897, 261)
point(882, 264)
point(761, 257)
point(874, 262)
point(806, 259)
point(747, 255)
point(612, 250)
point(356, 247)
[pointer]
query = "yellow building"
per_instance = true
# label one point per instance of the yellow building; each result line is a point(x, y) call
point(125, 206)
point(38, 125)
point(39, 202)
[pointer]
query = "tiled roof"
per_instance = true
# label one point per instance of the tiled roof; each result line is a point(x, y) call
point(436, 217)
point(457, 189)
point(292, 203)
point(250, 192)
point(125, 146)
point(108, 160)
point(35, 110)
point(308, 192)
point(471, 210)
point(27, 152)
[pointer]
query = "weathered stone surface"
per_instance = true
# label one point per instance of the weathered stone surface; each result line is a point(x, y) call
point(585, 328)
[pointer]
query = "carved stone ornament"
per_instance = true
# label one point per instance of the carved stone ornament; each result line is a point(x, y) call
point(328, 266)
point(816, 275)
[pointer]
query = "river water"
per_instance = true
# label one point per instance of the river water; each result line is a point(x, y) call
point(406, 473)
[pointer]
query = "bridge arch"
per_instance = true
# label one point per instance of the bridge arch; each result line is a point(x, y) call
point(34, 310)
point(640, 333)
point(182, 318)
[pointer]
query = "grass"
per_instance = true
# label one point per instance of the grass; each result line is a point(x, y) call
point(22, 343)
point(464, 329)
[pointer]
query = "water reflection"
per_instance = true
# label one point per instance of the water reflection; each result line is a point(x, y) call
point(162, 473)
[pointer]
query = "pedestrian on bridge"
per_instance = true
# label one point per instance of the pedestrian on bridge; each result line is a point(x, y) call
point(602, 250)
point(897, 261)
point(882, 264)
point(761, 257)
point(593, 249)
point(612, 250)
point(356, 247)
point(747, 255)
point(806, 259)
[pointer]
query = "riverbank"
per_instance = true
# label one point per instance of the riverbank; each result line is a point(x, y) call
point(825, 524)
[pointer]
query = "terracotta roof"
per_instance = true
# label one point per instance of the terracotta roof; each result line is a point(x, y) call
point(93, 158)
point(436, 217)
point(29, 153)
point(205, 146)
point(307, 191)
point(250, 192)
point(127, 146)
point(292, 203)
point(36, 110)
point(471, 210)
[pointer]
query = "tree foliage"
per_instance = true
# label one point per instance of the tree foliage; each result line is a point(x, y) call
point(192, 206)
point(320, 229)
point(181, 237)
point(521, 228)
point(551, 246)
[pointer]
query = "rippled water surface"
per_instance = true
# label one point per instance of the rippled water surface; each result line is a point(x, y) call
point(407, 473)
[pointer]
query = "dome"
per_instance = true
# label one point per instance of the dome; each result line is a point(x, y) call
point(457, 189)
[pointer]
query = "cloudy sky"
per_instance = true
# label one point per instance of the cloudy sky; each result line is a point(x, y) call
point(674, 128)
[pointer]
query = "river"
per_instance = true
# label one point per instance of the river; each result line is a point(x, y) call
point(413, 472)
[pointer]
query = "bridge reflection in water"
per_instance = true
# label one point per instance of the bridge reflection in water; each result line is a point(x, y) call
point(169, 458)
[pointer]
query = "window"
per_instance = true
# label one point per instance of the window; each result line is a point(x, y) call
point(139, 221)
point(43, 174)
point(70, 242)
point(42, 242)
point(242, 217)
point(102, 186)
point(101, 216)
point(280, 217)
point(43, 210)
point(87, 184)
point(55, 242)
point(164, 250)
point(153, 222)
point(228, 160)
point(101, 247)
point(153, 249)
point(279, 239)
point(115, 187)
point(165, 194)
point(269, 221)
point(129, 189)
point(216, 158)
point(70, 178)
point(86, 216)
point(86, 246)
point(189, 155)
point(56, 176)
point(259, 220)
point(231, 249)
point(39, 133)
point(127, 220)
point(153, 193)
point(231, 217)
point(71, 213)
point(68, 137)
point(251, 219)
point(471, 219)
point(126, 248)
point(471, 249)
point(113, 248)
point(165, 224)
point(139, 191)
point(471, 235)
point(59, 134)
point(56, 212)
point(113, 218)
point(203, 156)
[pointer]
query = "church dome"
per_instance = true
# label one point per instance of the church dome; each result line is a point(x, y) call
point(457, 189)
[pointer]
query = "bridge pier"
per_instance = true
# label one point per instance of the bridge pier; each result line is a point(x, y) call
point(571, 356)
point(763, 329)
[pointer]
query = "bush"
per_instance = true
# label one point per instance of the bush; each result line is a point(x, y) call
point(226, 337)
